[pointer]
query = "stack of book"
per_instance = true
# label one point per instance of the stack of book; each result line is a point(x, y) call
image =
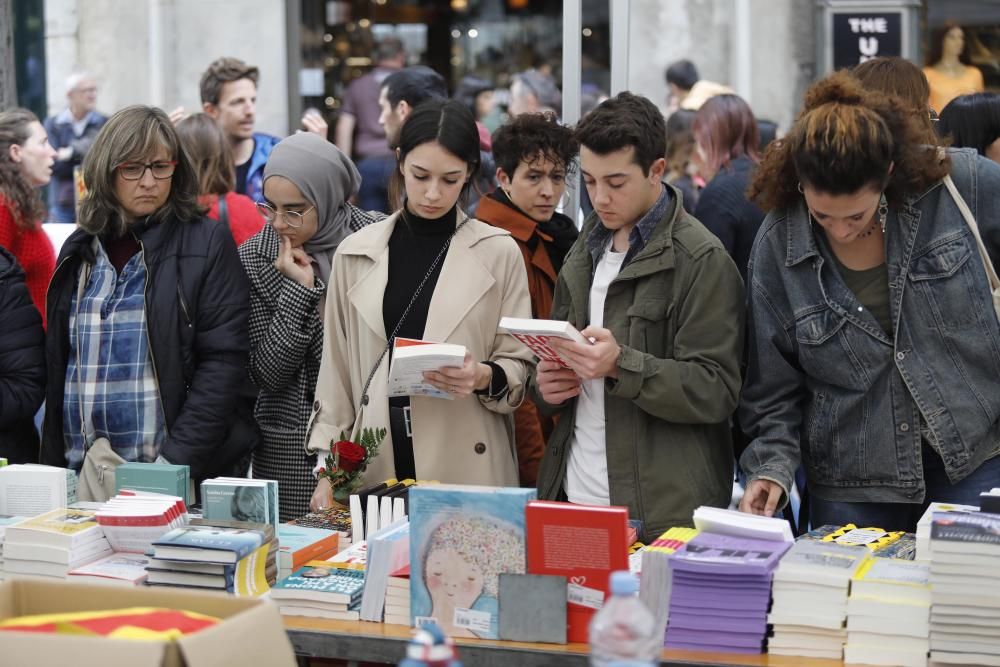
point(297, 545)
point(28, 489)
point(388, 551)
point(720, 593)
point(379, 506)
point(811, 585)
point(888, 614)
point(965, 588)
point(133, 520)
point(232, 559)
point(654, 578)
point(240, 499)
point(117, 569)
point(53, 543)
point(322, 591)
point(6, 520)
point(924, 525)
point(397, 597)
point(335, 519)
point(740, 524)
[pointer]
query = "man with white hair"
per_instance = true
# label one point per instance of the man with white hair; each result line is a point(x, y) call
point(533, 91)
point(71, 132)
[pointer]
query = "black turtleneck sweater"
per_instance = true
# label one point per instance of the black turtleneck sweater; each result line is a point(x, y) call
point(414, 244)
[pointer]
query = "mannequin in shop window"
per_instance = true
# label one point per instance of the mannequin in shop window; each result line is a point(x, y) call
point(948, 70)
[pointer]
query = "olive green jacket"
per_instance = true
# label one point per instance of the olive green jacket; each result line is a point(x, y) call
point(677, 311)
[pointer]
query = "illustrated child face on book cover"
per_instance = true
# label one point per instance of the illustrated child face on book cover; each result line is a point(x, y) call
point(461, 570)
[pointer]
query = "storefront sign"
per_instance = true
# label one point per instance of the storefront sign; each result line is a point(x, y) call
point(861, 36)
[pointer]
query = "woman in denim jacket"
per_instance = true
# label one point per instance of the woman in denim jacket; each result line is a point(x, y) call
point(873, 348)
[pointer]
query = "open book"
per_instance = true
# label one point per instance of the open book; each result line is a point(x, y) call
point(535, 334)
point(412, 358)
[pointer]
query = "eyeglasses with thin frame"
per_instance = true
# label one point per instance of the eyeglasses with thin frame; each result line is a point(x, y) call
point(291, 218)
point(133, 171)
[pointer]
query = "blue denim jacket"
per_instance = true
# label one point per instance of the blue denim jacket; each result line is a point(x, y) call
point(826, 384)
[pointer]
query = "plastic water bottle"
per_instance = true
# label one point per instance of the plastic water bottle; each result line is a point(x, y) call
point(623, 632)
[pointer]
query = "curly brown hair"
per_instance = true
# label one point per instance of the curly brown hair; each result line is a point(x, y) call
point(845, 139)
point(24, 200)
point(529, 135)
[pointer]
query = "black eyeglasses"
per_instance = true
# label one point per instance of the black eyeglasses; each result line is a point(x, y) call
point(133, 171)
point(291, 218)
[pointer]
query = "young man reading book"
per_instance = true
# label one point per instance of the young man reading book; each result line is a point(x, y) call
point(645, 407)
point(533, 153)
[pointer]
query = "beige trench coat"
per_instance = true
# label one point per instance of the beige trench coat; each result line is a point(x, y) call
point(467, 440)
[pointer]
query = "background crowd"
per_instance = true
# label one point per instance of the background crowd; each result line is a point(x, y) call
point(809, 313)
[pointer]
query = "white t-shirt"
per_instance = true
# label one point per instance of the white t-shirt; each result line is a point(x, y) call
point(587, 469)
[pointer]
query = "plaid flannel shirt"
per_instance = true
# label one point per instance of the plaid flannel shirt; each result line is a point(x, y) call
point(114, 381)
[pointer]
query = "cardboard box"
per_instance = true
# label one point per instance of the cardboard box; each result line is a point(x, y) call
point(251, 633)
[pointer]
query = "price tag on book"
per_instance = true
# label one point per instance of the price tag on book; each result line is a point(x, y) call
point(470, 619)
point(860, 536)
point(421, 621)
point(591, 598)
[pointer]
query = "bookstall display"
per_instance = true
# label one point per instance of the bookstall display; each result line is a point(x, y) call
point(498, 571)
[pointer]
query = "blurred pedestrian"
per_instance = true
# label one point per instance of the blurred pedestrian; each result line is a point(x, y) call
point(26, 162)
point(212, 160)
point(71, 132)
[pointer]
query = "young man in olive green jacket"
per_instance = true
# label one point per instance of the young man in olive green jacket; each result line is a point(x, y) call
point(646, 407)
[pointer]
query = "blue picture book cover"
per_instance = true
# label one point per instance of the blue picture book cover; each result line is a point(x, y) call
point(461, 539)
point(321, 584)
point(239, 541)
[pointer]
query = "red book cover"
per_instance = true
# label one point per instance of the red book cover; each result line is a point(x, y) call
point(585, 544)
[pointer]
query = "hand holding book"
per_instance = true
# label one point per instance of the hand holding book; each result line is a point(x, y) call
point(462, 380)
point(597, 360)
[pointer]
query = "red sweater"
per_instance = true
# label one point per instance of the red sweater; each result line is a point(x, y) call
point(244, 220)
point(33, 251)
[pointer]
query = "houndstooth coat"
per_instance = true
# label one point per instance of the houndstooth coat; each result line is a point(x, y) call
point(286, 341)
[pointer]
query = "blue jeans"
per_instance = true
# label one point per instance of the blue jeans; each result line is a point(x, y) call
point(373, 195)
point(904, 516)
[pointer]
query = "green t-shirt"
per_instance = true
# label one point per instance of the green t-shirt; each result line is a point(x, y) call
point(871, 287)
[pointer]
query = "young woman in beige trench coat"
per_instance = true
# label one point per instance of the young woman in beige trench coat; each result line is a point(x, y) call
point(479, 278)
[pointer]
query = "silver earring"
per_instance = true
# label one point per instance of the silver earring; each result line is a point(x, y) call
point(883, 211)
point(801, 192)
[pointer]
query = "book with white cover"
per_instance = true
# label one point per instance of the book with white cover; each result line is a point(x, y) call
point(924, 525)
point(820, 564)
point(46, 553)
point(61, 570)
point(316, 612)
point(740, 524)
point(412, 358)
point(871, 655)
point(536, 334)
point(388, 551)
point(28, 489)
point(893, 581)
point(63, 528)
point(123, 569)
point(954, 658)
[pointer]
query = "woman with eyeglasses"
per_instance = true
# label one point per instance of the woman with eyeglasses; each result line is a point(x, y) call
point(147, 340)
point(306, 187)
point(427, 272)
point(26, 160)
point(873, 346)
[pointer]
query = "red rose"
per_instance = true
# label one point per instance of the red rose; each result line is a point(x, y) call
point(351, 455)
point(322, 471)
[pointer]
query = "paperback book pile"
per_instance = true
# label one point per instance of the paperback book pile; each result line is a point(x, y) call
point(117, 569)
point(888, 614)
point(720, 593)
point(321, 591)
point(28, 489)
point(208, 556)
point(740, 524)
point(297, 545)
point(965, 588)
point(397, 597)
point(53, 543)
point(655, 579)
point(6, 520)
point(132, 520)
point(924, 525)
point(810, 590)
point(388, 551)
point(240, 499)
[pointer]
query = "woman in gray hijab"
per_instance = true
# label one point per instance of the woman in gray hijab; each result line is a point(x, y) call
point(307, 184)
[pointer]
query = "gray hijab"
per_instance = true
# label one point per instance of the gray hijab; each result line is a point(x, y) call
point(327, 178)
